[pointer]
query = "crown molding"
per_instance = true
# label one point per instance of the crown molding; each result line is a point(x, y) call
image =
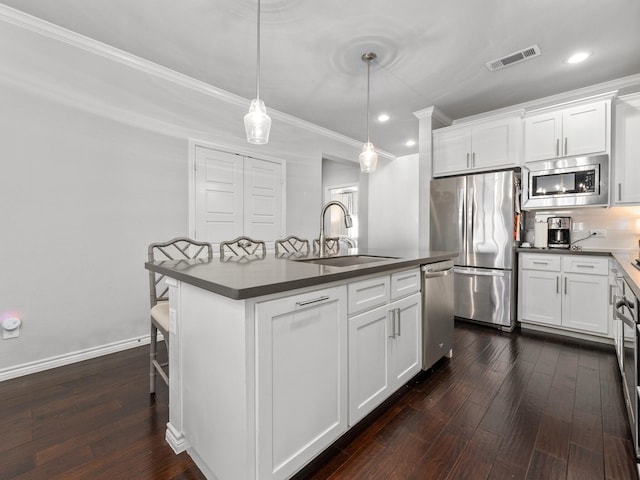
point(609, 88)
point(433, 112)
point(55, 32)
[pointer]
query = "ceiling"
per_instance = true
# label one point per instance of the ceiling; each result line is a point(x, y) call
point(429, 52)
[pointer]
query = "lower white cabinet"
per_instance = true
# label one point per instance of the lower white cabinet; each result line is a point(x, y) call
point(301, 378)
point(565, 291)
point(385, 352)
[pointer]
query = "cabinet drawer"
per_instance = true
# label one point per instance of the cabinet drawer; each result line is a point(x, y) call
point(369, 293)
point(582, 264)
point(534, 261)
point(405, 283)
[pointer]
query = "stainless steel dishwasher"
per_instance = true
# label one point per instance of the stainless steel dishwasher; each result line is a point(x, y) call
point(437, 312)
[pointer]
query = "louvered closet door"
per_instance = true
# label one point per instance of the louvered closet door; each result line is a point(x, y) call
point(219, 197)
point(262, 200)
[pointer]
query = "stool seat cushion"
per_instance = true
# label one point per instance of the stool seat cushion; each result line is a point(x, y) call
point(160, 313)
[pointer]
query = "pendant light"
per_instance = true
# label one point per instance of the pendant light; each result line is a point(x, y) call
point(368, 157)
point(257, 123)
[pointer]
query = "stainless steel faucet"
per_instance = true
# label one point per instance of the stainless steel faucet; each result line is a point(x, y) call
point(347, 223)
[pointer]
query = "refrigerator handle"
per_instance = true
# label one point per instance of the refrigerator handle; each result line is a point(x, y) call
point(469, 222)
point(463, 222)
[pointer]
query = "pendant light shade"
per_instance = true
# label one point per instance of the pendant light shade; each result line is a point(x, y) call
point(257, 123)
point(368, 158)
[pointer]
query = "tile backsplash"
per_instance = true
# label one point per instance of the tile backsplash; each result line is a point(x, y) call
point(621, 225)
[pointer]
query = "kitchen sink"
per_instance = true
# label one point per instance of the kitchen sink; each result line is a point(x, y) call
point(346, 260)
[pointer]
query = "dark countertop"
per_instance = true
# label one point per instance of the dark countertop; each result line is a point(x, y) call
point(624, 258)
point(242, 280)
point(563, 251)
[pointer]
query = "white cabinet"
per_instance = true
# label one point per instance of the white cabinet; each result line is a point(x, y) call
point(584, 304)
point(301, 378)
point(540, 299)
point(481, 146)
point(626, 156)
point(385, 344)
point(577, 130)
point(565, 291)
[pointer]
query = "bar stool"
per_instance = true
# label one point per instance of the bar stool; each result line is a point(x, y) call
point(180, 248)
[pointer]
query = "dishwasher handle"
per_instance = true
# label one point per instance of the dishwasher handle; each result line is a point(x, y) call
point(437, 273)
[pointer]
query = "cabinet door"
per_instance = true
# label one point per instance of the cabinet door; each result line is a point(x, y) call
point(542, 134)
point(584, 129)
point(627, 152)
point(302, 378)
point(540, 297)
point(493, 144)
point(584, 303)
point(451, 150)
point(368, 361)
point(406, 347)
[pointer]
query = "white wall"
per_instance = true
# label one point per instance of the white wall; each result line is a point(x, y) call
point(619, 224)
point(394, 203)
point(81, 197)
point(93, 168)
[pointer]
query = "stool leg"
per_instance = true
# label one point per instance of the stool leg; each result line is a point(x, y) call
point(153, 347)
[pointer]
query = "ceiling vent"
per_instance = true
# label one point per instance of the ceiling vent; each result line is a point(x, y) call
point(513, 58)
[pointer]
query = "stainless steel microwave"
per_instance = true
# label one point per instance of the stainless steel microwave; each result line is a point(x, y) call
point(567, 182)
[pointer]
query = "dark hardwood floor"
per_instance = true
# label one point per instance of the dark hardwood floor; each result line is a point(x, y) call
point(507, 406)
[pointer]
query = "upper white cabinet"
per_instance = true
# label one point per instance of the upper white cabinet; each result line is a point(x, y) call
point(483, 145)
point(626, 155)
point(577, 130)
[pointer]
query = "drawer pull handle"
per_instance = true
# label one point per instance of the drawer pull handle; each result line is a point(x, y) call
point(557, 285)
point(582, 265)
point(398, 321)
point(540, 263)
point(392, 314)
point(565, 285)
point(315, 300)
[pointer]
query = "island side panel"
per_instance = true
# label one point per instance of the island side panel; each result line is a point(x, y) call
point(215, 358)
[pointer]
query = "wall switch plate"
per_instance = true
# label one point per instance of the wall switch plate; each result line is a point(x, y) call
point(11, 327)
point(15, 333)
point(598, 233)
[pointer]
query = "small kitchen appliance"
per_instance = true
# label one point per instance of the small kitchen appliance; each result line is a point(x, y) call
point(558, 231)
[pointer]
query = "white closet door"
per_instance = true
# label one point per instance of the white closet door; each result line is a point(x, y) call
point(263, 200)
point(219, 204)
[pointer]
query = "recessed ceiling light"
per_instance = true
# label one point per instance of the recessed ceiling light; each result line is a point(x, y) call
point(410, 143)
point(578, 57)
point(383, 117)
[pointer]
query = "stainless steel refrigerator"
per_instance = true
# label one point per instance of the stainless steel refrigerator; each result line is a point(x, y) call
point(475, 214)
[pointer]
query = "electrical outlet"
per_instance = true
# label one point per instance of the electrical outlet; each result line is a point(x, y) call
point(598, 233)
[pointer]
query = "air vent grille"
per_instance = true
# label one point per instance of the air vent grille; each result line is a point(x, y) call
point(513, 58)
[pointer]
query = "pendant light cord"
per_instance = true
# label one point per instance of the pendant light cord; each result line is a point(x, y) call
point(368, 94)
point(258, 59)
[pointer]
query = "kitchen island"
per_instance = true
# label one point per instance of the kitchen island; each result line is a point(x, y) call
point(273, 359)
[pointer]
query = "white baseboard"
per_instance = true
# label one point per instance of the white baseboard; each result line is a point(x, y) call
point(73, 357)
point(176, 439)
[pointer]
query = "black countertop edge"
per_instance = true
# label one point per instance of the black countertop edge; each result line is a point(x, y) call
point(624, 258)
point(268, 276)
point(564, 251)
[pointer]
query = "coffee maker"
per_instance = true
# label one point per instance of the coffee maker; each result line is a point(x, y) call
point(558, 232)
